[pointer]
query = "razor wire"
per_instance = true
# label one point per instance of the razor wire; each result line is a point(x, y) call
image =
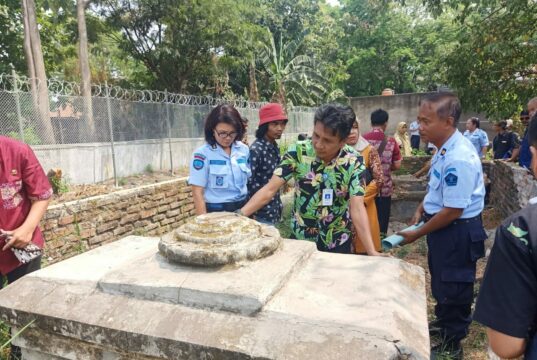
point(58, 87)
point(114, 115)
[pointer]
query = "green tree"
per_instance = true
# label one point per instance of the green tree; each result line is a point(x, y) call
point(177, 41)
point(493, 67)
point(294, 77)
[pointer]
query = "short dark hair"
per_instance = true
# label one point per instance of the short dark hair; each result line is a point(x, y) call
point(449, 105)
point(475, 121)
point(532, 130)
point(223, 113)
point(379, 117)
point(261, 131)
point(337, 117)
point(501, 123)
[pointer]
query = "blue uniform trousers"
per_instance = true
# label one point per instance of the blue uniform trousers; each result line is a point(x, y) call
point(415, 142)
point(453, 252)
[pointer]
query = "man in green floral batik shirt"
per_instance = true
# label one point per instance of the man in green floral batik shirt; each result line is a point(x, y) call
point(328, 187)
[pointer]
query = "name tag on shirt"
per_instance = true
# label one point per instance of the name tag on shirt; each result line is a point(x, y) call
point(328, 197)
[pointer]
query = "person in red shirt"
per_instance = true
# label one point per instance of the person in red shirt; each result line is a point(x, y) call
point(390, 159)
point(24, 196)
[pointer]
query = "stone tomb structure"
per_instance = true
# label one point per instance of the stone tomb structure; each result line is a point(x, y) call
point(219, 287)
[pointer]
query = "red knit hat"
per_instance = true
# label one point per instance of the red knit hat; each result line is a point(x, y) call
point(271, 112)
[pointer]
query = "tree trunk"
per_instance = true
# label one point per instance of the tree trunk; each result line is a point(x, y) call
point(37, 66)
point(84, 66)
point(253, 93)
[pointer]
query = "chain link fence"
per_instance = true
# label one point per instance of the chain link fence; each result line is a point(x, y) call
point(114, 115)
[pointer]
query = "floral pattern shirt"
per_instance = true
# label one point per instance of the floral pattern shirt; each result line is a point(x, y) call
point(390, 155)
point(329, 226)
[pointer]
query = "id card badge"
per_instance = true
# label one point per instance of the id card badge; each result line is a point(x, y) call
point(328, 197)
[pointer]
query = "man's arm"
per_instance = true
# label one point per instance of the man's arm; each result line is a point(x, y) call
point(440, 220)
point(514, 156)
point(22, 236)
point(505, 346)
point(263, 196)
point(483, 151)
point(359, 219)
point(199, 201)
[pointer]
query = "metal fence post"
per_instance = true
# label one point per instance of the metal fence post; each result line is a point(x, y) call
point(18, 103)
point(169, 130)
point(109, 110)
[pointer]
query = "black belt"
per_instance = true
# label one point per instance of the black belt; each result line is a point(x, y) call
point(426, 217)
point(227, 206)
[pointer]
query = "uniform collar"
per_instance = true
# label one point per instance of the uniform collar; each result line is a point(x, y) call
point(448, 145)
point(218, 148)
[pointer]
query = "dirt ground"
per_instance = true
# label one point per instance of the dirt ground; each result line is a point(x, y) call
point(76, 192)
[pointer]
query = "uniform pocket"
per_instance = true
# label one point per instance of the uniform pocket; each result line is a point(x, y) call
point(457, 286)
point(10, 194)
point(218, 177)
point(477, 247)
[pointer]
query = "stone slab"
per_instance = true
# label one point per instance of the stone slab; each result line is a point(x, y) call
point(242, 288)
point(332, 307)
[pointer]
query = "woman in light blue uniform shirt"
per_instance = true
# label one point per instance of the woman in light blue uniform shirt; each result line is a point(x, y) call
point(477, 137)
point(219, 169)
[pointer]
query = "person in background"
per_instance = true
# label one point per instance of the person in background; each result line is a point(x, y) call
point(328, 189)
point(219, 169)
point(523, 154)
point(244, 139)
point(415, 139)
point(372, 182)
point(477, 137)
point(507, 300)
point(402, 139)
point(430, 148)
point(24, 198)
point(451, 211)
point(390, 157)
point(504, 142)
point(264, 157)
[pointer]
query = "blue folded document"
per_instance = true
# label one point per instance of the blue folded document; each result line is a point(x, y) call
point(393, 240)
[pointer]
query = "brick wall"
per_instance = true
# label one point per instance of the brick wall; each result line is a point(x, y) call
point(511, 187)
point(74, 227)
point(411, 164)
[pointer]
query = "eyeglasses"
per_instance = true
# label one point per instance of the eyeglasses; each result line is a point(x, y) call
point(225, 134)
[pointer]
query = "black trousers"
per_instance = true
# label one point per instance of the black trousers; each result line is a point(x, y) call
point(452, 256)
point(15, 275)
point(384, 204)
point(229, 206)
point(415, 142)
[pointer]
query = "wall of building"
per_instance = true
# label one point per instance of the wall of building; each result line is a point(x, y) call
point(402, 107)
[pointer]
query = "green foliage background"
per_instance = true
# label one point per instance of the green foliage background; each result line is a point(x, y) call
point(483, 49)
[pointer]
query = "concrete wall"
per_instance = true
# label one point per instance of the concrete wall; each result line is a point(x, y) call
point(74, 227)
point(92, 162)
point(402, 107)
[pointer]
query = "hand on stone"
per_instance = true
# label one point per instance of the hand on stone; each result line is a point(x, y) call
point(376, 253)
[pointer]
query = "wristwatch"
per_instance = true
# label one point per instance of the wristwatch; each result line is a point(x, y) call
point(238, 211)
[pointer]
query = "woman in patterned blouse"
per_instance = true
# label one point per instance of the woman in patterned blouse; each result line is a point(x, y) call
point(372, 184)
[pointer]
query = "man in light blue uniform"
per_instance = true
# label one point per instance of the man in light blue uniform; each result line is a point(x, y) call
point(477, 137)
point(451, 210)
point(223, 176)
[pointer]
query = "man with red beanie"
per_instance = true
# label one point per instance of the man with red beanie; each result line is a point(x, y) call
point(264, 157)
